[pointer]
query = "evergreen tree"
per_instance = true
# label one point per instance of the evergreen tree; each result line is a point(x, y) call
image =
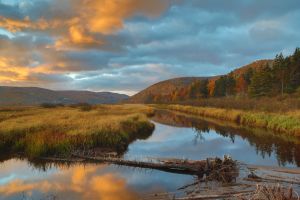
point(261, 82)
point(248, 75)
point(294, 79)
point(203, 89)
point(194, 90)
point(281, 73)
point(220, 87)
point(230, 85)
point(198, 89)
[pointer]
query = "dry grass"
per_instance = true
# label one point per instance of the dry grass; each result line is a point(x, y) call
point(286, 103)
point(264, 192)
point(42, 131)
point(288, 123)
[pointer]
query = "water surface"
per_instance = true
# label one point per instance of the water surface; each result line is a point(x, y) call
point(175, 135)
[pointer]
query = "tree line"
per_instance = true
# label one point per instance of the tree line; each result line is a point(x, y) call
point(279, 77)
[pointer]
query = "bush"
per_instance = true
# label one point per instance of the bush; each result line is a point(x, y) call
point(86, 107)
point(48, 105)
point(51, 105)
point(82, 106)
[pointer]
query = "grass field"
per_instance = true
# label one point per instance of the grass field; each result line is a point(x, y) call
point(279, 104)
point(288, 123)
point(38, 131)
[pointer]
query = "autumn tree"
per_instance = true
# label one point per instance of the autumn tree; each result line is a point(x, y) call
point(279, 77)
point(174, 96)
point(211, 87)
point(241, 85)
point(182, 94)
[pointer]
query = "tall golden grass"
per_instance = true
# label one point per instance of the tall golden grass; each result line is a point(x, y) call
point(288, 123)
point(285, 103)
point(52, 131)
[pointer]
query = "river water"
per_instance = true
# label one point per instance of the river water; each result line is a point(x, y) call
point(175, 136)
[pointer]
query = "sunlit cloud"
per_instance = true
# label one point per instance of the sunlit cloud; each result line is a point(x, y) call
point(18, 186)
point(127, 45)
point(83, 182)
point(89, 19)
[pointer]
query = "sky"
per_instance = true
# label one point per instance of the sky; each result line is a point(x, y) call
point(126, 45)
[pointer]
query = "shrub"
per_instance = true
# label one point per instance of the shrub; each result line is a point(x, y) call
point(82, 106)
point(48, 105)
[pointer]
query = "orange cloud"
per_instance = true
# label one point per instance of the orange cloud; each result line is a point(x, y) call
point(85, 28)
point(92, 17)
point(19, 186)
point(9, 72)
point(79, 177)
point(84, 181)
point(110, 187)
point(18, 64)
point(14, 25)
point(107, 16)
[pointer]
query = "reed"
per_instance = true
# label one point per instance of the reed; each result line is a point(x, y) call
point(278, 192)
point(288, 123)
point(38, 131)
point(285, 103)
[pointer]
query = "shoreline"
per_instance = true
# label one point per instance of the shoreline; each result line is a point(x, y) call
point(285, 123)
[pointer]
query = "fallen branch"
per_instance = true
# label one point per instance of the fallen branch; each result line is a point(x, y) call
point(210, 166)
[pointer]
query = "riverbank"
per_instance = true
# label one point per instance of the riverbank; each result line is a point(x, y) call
point(187, 139)
point(58, 131)
point(287, 123)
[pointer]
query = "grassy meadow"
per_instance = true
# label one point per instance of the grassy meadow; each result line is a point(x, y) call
point(287, 122)
point(59, 130)
point(279, 104)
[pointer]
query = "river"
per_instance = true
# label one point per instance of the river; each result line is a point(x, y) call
point(175, 136)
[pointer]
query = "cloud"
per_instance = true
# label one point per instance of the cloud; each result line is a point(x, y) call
point(114, 45)
point(18, 186)
point(26, 59)
point(78, 182)
point(88, 20)
point(9, 11)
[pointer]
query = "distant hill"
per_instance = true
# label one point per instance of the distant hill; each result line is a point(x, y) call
point(254, 65)
point(35, 96)
point(168, 87)
point(163, 88)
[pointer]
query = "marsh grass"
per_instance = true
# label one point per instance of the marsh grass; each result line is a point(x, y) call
point(279, 104)
point(268, 192)
point(58, 131)
point(288, 122)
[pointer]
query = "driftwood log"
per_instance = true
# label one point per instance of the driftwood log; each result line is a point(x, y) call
point(208, 167)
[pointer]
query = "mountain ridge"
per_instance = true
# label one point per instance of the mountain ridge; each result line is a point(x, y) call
point(35, 95)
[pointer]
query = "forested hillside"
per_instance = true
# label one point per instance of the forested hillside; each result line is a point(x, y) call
point(262, 78)
point(164, 91)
